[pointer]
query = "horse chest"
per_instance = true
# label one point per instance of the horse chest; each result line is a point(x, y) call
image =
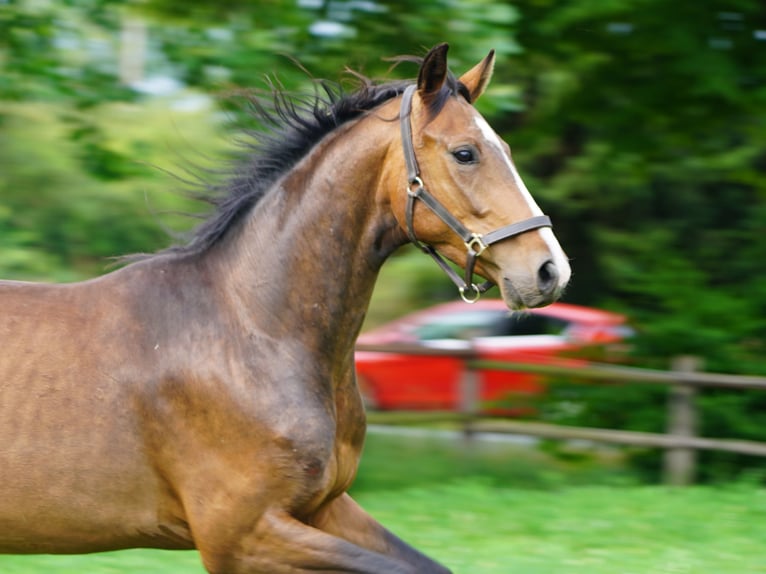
point(295, 431)
point(328, 445)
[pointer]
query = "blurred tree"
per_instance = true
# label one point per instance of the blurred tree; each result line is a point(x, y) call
point(638, 125)
point(59, 51)
point(644, 130)
point(325, 36)
point(74, 55)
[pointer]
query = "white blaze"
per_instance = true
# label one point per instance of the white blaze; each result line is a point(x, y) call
point(560, 260)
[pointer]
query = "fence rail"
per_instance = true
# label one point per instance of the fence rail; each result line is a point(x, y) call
point(629, 374)
point(685, 381)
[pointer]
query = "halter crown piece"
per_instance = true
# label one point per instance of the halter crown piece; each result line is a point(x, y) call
point(475, 243)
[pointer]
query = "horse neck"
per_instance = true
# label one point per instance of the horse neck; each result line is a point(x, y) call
point(304, 263)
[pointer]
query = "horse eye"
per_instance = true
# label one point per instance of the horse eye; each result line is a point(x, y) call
point(464, 155)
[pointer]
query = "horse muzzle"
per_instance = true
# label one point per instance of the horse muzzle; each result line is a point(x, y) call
point(543, 286)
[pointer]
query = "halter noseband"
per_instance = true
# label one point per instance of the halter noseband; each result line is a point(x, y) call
point(475, 243)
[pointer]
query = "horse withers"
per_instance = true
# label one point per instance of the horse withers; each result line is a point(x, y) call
point(204, 396)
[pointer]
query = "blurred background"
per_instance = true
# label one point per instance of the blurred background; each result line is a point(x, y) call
point(639, 126)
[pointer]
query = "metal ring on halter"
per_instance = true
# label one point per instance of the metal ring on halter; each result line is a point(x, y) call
point(417, 182)
point(476, 293)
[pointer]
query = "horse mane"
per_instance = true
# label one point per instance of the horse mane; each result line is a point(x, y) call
point(292, 126)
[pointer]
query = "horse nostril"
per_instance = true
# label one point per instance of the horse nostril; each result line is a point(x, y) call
point(548, 278)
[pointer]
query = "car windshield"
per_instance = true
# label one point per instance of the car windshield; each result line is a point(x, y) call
point(487, 323)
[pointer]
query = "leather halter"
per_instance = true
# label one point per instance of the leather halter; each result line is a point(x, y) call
point(475, 243)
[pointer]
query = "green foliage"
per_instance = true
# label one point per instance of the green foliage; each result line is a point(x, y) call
point(642, 407)
point(639, 125)
point(66, 211)
point(422, 459)
point(59, 51)
point(408, 281)
point(650, 149)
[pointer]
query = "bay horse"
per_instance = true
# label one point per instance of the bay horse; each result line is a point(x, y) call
point(204, 396)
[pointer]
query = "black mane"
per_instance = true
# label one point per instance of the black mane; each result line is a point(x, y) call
point(293, 126)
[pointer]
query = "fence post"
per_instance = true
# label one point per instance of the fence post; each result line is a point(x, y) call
point(679, 462)
point(469, 393)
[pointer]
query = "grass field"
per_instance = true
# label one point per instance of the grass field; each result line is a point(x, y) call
point(508, 510)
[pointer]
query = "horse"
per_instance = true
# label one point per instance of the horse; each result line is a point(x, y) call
point(204, 396)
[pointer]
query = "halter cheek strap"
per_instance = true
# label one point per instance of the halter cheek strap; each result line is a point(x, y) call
point(475, 243)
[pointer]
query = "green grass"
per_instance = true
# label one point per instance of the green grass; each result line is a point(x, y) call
point(133, 561)
point(478, 528)
point(497, 509)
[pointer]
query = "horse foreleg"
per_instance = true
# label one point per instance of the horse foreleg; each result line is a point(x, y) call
point(344, 518)
point(281, 544)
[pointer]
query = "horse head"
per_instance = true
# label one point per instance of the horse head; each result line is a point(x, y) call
point(464, 197)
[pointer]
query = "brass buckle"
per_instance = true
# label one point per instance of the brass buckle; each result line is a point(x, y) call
point(476, 244)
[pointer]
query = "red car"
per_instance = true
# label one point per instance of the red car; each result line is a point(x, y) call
point(423, 382)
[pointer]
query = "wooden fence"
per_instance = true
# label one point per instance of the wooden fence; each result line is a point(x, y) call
point(680, 442)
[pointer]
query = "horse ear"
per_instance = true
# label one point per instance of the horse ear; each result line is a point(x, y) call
point(433, 72)
point(477, 78)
